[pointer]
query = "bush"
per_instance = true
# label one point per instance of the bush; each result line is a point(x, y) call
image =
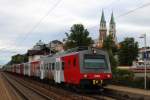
point(126, 78)
point(119, 73)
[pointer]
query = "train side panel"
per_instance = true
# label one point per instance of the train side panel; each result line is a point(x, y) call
point(71, 69)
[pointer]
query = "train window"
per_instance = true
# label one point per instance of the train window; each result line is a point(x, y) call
point(37, 67)
point(42, 67)
point(74, 62)
point(53, 64)
point(95, 61)
point(46, 67)
point(57, 66)
point(49, 66)
point(63, 65)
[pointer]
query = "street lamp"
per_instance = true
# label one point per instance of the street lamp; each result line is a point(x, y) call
point(144, 36)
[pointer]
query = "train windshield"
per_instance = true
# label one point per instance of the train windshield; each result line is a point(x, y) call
point(95, 61)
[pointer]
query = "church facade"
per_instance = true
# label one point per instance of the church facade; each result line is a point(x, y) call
point(103, 32)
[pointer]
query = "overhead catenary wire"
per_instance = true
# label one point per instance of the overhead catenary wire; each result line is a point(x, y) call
point(57, 3)
point(127, 13)
point(40, 21)
point(112, 3)
point(35, 26)
point(52, 8)
point(133, 10)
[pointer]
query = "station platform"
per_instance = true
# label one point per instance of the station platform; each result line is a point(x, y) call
point(130, 90)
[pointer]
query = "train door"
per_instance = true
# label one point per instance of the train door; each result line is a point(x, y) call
point(21, 69)
point(42, 70)
point(50, 75)
point(24, 69)
point(29, 69)
point(57, 70)
point(46, 70)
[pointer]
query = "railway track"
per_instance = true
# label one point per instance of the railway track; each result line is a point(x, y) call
point(59, 93)
point(51, 92)
point(26, 92)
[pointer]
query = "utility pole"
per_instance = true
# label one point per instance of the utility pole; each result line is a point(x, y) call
point(145, 60)
point(145, 56)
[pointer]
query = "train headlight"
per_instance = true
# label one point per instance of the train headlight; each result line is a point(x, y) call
point(108, 76)
point(85, 75)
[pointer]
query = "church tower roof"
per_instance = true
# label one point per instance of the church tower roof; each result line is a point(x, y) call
point(103, 17)
point(112, 19)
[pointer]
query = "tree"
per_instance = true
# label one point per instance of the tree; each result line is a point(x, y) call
point(19, 59)
point(128, 51)
point(45, 49)
point(110, 46)
point(78, 36)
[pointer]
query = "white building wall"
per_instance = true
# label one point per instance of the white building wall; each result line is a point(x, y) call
point(34, 58)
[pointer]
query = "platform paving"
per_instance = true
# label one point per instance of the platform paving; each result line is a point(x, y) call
point(130, 90)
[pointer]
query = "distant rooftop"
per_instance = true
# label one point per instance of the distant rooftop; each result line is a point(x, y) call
point(56, 41)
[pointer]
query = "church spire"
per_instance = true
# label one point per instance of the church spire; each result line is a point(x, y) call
point(103, 17)
point(112, 28)
point(112, 19)
point(102, 30)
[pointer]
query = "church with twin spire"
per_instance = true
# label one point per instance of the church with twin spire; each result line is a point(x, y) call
point(103, 32)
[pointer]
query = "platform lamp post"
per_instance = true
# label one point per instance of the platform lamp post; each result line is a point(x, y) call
point(145, 56)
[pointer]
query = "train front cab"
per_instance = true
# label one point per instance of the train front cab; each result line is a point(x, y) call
point(95, 68)
point(87, 68)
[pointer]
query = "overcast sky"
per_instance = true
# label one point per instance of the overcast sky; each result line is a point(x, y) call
point(18, 17)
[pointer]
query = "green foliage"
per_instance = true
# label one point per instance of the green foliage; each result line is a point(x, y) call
point(110, 46)
point(45, 49)
point(128, 51)
point(78, 36)
point(126, 78)
point(119, 73)
point(19, 59)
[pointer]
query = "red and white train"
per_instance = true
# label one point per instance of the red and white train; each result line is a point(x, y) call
point(80, 67)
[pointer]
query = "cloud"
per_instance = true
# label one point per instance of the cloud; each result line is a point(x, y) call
point(18, 17)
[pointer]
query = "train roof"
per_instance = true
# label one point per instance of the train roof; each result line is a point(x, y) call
point(70, 51)
point(77, 49)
